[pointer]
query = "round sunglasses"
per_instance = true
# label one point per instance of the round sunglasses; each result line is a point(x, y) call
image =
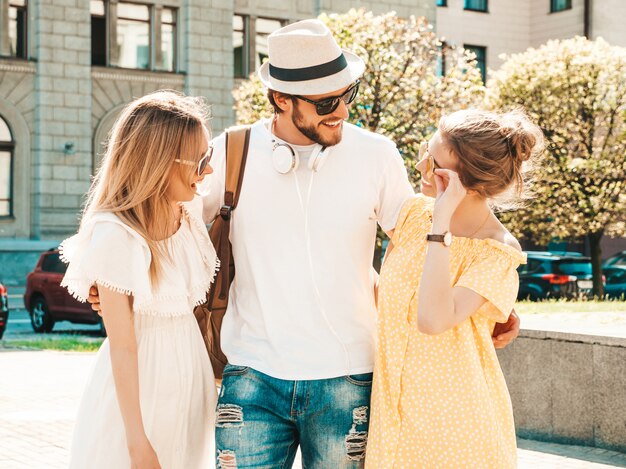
point(202, 164)
point(431, 164)
point(327, 105)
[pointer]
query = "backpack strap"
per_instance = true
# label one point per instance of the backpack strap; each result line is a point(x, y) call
point(237, 141)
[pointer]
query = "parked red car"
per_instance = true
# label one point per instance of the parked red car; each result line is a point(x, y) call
point(4, 309)
point(48, 302)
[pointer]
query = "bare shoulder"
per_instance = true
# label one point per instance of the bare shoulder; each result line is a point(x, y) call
point(510, 240)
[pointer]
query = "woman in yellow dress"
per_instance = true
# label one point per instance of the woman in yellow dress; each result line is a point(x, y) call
point(439, 397)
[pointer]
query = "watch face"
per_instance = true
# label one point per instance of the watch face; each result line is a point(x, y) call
point(447, 239)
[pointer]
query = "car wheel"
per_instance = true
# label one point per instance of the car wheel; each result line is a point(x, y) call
point(40, 317)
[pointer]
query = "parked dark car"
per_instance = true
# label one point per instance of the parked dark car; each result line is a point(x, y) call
point(615, 281)
point(617, 260)
point(551, 275)
point(48, 302)
point(4, 309)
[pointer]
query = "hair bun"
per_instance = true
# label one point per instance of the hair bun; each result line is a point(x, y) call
point(524, 139)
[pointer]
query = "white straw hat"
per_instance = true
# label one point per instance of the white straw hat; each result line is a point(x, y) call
point(304, 58)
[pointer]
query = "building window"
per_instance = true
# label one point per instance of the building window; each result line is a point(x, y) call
point(264, 27)
point(133, 35)
point(560, 5)
point(442, 3)
point(249, 54)
point(98, 33)
point(440, 66)
point(476, 5)
point(240, 45)
point(168, 39)
point(18, 30)
point(6, 170)
point(481, 58)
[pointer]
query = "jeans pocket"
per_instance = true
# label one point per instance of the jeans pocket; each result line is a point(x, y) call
point(235, 370)
point(363, 379)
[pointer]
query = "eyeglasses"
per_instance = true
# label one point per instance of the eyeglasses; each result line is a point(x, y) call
point(202, 164)
point(327, 105)
point(431, 164)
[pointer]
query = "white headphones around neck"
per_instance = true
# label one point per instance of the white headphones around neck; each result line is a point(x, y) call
point(285, 158)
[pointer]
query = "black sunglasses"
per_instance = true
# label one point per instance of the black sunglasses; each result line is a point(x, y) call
point(327, 105)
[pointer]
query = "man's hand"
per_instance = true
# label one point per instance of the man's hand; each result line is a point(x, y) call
point(505, 333)
point(94, 299)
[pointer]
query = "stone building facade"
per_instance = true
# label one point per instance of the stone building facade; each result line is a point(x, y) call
point(67, 67)
point(496, 27)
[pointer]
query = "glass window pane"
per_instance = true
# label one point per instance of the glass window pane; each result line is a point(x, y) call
point(263, 28)
point(168, 16)
point(239, 49)
point(5, 183)
point(17, 31)
point(238, 23)
point(5, 133)
point(481, 55)
point(479, 5)
point(133, 41)
point(97, 7)
point(134, 12)
point(168, 41)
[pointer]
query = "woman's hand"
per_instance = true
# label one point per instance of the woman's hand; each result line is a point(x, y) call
point(143, 456)
point(450, 192)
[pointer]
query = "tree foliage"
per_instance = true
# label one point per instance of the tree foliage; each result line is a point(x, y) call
point(576, 91)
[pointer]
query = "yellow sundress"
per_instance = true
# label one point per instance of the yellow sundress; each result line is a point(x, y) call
point(441, 401)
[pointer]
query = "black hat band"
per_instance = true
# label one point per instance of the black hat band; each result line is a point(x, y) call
point(309, 73)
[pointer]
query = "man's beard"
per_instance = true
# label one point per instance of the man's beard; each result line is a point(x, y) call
point(311, 131)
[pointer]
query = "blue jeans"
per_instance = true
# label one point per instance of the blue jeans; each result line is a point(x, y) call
point(261, 421)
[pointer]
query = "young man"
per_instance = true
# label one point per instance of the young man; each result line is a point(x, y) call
point(299, 332)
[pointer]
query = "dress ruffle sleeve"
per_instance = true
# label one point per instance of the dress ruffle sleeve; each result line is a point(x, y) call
point(492, 274)
point(107, 252)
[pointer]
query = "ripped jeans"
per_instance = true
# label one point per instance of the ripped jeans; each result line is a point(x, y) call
point(261, 421)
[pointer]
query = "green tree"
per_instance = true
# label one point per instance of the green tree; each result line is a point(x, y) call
point(403, 91)
point(575, 90)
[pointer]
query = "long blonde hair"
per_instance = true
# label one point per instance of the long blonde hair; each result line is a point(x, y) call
point(148, 136)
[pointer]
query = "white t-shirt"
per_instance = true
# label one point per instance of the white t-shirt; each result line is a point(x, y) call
point(302, 303)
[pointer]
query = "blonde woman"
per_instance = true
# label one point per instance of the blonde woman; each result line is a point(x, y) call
point(150, 400)
point(439, 398)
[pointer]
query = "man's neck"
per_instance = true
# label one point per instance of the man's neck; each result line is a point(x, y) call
point(286, 131)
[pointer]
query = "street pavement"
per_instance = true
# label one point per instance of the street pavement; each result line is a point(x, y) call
point(40, 391)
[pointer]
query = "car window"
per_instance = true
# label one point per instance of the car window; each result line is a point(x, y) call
point(574, 267)
point(53, 263)
point(616, 276)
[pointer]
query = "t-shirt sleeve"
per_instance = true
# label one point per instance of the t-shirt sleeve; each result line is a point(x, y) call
point(394, 190)
point(493, 275)
point(106, 253)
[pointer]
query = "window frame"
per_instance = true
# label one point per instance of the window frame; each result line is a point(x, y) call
point(478, 10)
point(24, 36)
point(250, 34)
point(155, 38)
point(9, 146)
point(554, 6)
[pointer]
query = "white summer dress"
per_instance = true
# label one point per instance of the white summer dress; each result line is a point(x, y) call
point(176, 382)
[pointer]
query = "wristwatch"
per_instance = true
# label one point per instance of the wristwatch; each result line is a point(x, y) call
point(445, 238)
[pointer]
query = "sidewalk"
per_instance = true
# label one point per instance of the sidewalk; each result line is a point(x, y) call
point(39, 394)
